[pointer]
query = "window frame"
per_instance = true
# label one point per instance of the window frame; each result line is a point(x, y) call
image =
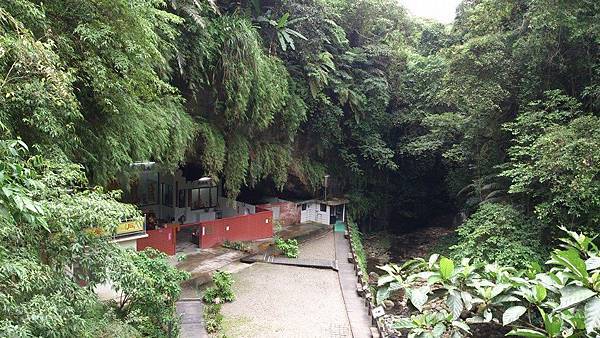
point(166, 194)
point(212, 201)
point(182, 198)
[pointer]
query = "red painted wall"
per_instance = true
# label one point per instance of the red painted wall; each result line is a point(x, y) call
point(161, 239)
point(289, 213)
point(237, 228)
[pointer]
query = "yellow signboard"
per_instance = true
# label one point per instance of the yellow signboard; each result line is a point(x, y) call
point(130, 227)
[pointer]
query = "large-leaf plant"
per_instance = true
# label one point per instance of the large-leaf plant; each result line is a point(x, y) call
point(561, 301)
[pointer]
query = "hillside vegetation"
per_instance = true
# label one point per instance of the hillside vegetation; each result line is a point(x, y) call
point(494, 118)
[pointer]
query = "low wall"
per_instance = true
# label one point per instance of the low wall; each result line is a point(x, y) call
point(360, 269)
point(160, 239)
point(237, 228)
point(287, 213)
point(230, 208)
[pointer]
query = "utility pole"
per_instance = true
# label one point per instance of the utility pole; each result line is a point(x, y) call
point(325, 184)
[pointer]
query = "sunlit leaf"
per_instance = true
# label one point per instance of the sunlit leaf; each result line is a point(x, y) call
point(513, 313)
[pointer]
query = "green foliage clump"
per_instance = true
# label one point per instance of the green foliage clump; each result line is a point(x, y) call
point(236, 164)
point(212, 149)
point(35, 81)
point(213, 319)
point(289, 247)
point(221, 291)
point(552, 161)
point(55, 233)
point(499, 233)
point(566, 161)
point(240, 246)
point(255, 110)
point(361, 256)
point(150, 287)
point(270, 159)
point(561, 299)
point(250, 85)
point(96, 88)
point(310, 173)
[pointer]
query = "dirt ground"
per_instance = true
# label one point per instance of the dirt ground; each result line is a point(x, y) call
point(383, 247)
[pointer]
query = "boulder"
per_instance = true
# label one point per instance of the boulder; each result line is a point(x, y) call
point(373, 277)
point(397, 296)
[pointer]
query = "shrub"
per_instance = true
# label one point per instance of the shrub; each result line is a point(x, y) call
point(499, 233)
point(288, 247)
point(554, 161)
point(240, 246)
point(221, 291)
point(277, 226)
point(150, 287)
point(361, 256)
point(561, 300)
point(213, 319)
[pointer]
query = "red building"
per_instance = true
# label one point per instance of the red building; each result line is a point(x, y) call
point(181, 207)
point(284, 212)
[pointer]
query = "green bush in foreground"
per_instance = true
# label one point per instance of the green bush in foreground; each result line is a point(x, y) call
point(288, 247)
point(150, 286)
point(561, 301)
point(52, 220)
point(221, 292)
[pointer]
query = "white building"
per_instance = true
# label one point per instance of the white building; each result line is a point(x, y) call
point(324, 212)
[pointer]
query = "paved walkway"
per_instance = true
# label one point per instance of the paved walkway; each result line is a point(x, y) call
point(278, 300)
point(358, 316)
point(289, 301)
point(192, 325)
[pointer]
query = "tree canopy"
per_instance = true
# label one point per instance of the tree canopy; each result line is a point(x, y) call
point(496, 114)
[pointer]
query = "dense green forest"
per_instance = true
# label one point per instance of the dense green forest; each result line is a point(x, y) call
point(493, 120)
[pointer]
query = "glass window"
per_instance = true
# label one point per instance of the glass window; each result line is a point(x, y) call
point(214, 196)
point(167, 194)
point(205, 197)
point(195, 199)
point(323, 207)
point(201, 198)
point(181, 200)
point(148, 189)
point(303, 206)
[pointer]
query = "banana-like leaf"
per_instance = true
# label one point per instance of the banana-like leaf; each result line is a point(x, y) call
point(455, 303)
point(572, 261)
point(592, 314)
point(418, 297)
point(573, 295)
point(527, 333)
point(513, 313)
point(446, 268)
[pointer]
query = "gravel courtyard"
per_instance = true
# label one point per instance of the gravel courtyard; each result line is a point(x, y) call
point(288, 301)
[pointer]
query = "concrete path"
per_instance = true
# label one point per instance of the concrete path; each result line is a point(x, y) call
point(289, 301)
point(358, 316)
point(192, 325)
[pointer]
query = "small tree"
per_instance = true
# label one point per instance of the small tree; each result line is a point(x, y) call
point(149, 287)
